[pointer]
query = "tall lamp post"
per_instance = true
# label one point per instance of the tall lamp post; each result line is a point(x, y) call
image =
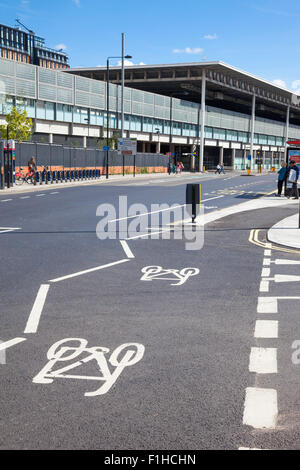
point(107, 105)
point(158, 136)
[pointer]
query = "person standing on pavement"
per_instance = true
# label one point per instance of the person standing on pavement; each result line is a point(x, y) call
point(282, 173)
point(218, 170)
point(293, 175)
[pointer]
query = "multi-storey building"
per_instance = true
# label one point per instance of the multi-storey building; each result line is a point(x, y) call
point(247, 115)
point(25, 46)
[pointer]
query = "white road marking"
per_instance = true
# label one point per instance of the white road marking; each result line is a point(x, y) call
point(146, 213)
point(264, 286)
point(126, 248)
point(267, 305)
point(266, 262)
point(285, 261)
point(266, 329)
point(260, 408)
point(148, 234)
point(25, 197)
point(270, 304)
point(97, 268)
point(10, 343)
point(123, 356)
point(286, 278)
point(8, 229)
point(265, 272)
point(36, 312)
point(267, 253)
point(55, 192)
point(6, 200)
point(263, 360)
point(40, 195)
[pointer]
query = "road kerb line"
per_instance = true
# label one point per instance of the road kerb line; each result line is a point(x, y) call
point(97, 268)
point(36, 312)
point(10, 343)
point(127, 250)
point(261, 409)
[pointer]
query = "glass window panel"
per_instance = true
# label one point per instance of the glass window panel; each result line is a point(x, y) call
point(219, 133)
point(40, 110)
point(232, 135)
point(263, 139)
point(60, 112)
point(49, 108)
point(271, 140)
point(208, 132)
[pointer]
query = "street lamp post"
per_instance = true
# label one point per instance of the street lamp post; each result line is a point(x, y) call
point(107, 106)
point(158, 135)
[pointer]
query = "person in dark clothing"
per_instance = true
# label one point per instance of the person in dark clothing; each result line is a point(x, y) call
point(294, 167)
point(282, 173)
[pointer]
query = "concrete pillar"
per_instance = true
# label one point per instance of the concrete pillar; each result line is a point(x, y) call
point(272, 159)
point(263, 158)
point(203, 98)
point(157, 147)
point(221, 155)
point(252, 130)
point(144, 147)
point(233, 158)
point(50, 138)
point(84, 141)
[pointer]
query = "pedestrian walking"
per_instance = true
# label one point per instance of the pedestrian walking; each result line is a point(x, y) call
point(282, 174)
point(218, 169)
point(293, 175)
point(222, 169)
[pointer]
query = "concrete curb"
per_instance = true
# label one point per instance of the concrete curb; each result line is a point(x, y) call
point(286, 232)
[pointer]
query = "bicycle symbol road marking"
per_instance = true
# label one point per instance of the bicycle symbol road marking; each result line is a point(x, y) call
point(62, 351)
point(151, 273)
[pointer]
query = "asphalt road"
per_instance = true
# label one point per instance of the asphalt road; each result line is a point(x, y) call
point(182, 384)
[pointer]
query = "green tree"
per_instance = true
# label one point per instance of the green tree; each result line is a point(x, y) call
point(19, 125)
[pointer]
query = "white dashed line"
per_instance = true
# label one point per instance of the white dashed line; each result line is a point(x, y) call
point(127, 250)
point(263, 360)
point(260, 408)
point(25, 197)
point(35, 314)
point(97, 268)
point(266, 329)
point(40, 195)
point(10, 343)
point(6, 200)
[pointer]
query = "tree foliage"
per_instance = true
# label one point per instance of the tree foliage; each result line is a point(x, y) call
point(19, 125)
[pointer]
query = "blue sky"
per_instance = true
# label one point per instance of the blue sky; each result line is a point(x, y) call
point(258, 36)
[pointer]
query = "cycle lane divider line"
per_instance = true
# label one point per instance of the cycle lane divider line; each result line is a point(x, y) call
point(86, 271)
point(37, 309)
point(127, 250)
point(8, 344)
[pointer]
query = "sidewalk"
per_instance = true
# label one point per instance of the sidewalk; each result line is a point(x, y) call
point(286, 232)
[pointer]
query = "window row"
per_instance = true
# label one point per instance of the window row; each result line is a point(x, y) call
point(66, 113)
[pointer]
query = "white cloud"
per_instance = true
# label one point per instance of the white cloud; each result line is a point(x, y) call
point(129, 63)
point(279, 82)
point(188, 50)
point(77, 2)
point(211, 37)
point(61, 46)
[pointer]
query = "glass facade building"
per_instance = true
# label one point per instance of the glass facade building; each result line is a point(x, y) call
point(63, 103)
